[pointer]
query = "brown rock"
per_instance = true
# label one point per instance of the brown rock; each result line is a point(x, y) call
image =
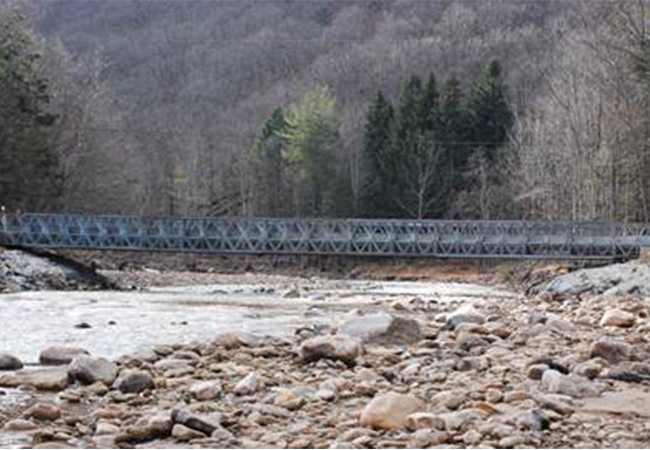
point(343, 348)
point(43, 411)
point(611, 350)
point(424, 420)
point(51, 379)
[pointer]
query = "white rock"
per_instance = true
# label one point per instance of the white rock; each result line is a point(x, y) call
point(617, 318)
point(390, 410)
point(248, 385)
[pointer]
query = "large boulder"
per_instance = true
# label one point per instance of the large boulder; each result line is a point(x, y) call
point(89, 370)
point(50, 379)
point(390, 410)
point(9, 362)
point(341, 348)
point(60, 355)
point(383, 329)
point(134, 381)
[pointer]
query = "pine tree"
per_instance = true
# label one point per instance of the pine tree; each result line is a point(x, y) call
point(416, 151)
point(30, 175)
point(489, 112)
point(378, 167)
point(269, 165)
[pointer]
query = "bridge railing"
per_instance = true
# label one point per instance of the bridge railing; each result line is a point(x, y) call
point(520, 239)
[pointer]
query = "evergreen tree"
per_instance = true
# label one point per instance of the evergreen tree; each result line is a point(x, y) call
point(311, 141)
point(30, 176)
point(378, 166)
point(490, 115)
point(271, 195)
point(416, 151)
point(430, 106)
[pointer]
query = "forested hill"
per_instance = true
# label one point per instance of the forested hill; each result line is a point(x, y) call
point(188, 89)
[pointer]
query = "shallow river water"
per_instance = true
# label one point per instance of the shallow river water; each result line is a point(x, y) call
point(123, 322)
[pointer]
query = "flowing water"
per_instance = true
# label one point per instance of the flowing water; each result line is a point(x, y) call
point(123, 322)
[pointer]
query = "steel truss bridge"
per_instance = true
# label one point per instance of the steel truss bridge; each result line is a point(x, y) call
point(418, 238)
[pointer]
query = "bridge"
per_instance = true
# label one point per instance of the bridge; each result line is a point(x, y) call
point(409, 238)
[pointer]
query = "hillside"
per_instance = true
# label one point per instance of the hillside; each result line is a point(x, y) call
point(198, 78)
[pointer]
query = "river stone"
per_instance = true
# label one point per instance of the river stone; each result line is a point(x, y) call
point(236, 339)
point(59, 355)
point(184, 434)
point(571, 385)
point(89, 370)
point(424, 420)
point(50, 379)
point(617, 318)
point(134, 381)
point(9, 362)
point(390, 410)
point(383, 329)
point(43, 411)
point(628, 402)
point(344, 348)
point(205, 390)
point(248, 385)
point(464, 314)
point(611, 350)
point(20, 425)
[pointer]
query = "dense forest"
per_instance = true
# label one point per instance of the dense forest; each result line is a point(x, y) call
point(494, 109)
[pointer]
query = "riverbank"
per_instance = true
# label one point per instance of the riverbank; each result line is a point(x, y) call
point(402, 371)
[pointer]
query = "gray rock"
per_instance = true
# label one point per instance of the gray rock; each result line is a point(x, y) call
point(343, 348)
point(571, 385)
point(60, 355)
point(134, 381)
point(89, 370)
point(205, 390)
point(182, 417)
point(383, 329)
point(616, 279)
point(9, 362)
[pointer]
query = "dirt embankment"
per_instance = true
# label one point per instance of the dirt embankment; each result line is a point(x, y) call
point(38, 270)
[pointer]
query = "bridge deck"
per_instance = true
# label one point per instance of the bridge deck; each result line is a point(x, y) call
point(491, 239)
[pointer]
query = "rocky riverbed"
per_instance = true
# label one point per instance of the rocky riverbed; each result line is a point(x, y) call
point(345, 365)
